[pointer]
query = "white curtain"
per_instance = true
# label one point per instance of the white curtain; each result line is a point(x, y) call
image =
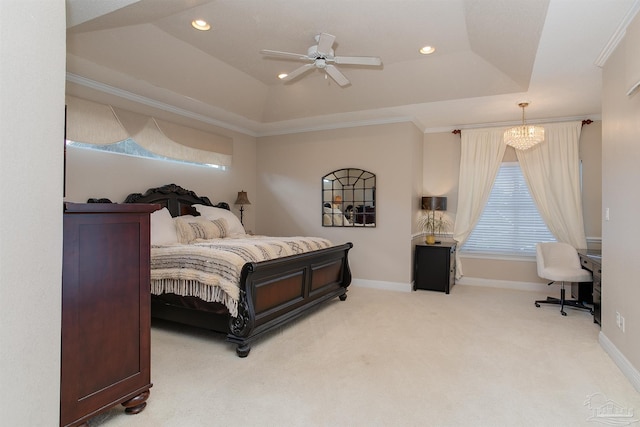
point(481, 154)
point(94, 123)
point(552, 172)
point(147, 132)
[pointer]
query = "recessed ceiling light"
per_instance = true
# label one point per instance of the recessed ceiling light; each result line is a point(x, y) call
point(282, 75)
point(427, 50)
point(200, 24)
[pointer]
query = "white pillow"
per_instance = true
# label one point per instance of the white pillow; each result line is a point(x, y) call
point(199, 228)
point(163, 229)
point(233, 223)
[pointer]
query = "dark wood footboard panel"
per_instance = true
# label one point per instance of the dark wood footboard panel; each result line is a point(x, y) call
point(272, 293)
point(277, 291)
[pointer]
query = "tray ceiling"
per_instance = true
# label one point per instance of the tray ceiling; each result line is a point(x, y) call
point(491, 54)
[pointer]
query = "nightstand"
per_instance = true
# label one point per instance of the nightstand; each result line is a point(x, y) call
point(435, 267)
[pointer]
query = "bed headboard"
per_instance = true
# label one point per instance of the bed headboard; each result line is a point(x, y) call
point(176, 199)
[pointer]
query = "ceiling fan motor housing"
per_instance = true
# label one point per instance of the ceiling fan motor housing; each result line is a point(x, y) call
point(312, 52)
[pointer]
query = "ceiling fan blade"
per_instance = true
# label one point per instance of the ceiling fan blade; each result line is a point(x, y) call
point(325, 41)
point(336, 75)
point(357, 60)
point(299, 71)
point(298, 56)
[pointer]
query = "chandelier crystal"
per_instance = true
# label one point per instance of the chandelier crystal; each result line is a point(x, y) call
point(525, 136)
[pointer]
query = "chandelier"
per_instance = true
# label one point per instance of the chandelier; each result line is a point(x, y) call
point(525, 136)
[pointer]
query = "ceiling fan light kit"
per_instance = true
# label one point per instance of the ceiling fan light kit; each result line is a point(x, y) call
point(524, 136)
point(321, 56)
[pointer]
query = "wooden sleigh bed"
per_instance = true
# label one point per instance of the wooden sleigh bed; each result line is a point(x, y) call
point(272, 292)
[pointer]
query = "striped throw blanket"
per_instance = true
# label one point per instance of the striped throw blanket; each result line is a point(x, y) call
point(210, 269)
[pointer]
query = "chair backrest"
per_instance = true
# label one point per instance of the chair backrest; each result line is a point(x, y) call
point(556, 254)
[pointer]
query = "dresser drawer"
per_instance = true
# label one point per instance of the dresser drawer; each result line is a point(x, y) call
point(587, 264)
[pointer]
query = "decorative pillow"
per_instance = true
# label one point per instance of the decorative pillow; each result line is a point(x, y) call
point(163, 229)
point(210, 212)
point(192, 229)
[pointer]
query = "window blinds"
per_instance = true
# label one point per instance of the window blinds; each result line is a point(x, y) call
point(510, 223)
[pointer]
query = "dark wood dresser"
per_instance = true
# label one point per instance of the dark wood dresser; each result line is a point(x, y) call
point(105, 310)
point(435, 267)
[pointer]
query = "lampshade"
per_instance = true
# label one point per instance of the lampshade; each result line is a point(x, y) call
point(242, 198)
point(434, 203)
point(525, 136)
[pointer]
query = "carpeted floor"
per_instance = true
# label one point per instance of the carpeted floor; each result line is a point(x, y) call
point(476, 357)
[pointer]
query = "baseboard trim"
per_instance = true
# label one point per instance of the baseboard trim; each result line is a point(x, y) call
point(628, 370)
point(470, 281)
point(377, 284)
point(503, 284)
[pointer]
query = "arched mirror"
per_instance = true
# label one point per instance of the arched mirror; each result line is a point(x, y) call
point(349, 198)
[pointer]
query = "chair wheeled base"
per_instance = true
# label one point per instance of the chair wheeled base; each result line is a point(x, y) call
point(562, 302)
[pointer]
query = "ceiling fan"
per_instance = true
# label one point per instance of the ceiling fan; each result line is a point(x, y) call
point(321, 56)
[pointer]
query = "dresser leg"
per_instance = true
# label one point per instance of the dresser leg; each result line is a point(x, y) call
point(136, 404)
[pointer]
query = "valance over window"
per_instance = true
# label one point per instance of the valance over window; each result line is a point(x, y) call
point(93, 123)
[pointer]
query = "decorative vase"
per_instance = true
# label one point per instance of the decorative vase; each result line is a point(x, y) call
point(430, 239)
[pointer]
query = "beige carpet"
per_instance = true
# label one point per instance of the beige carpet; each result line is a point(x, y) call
point(476, 357)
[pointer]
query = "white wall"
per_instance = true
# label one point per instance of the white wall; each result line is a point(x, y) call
point(621, 176)
point(286, 193)
point(32, 48)
point(290, 170)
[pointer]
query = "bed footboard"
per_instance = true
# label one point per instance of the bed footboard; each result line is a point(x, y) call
point(277, 291)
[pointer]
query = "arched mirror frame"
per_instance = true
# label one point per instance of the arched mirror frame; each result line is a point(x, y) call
point(349, 198)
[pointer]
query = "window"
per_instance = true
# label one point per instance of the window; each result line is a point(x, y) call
point(510, 223)
point(130, 148)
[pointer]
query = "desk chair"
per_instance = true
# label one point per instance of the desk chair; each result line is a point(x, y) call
point(559, 262)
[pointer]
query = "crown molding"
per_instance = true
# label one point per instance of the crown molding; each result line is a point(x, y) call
point(617, 35)
point(342, 125)
point(282, 130)
point(121, 93)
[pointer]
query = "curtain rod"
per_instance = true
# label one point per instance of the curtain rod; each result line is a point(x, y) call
point(459, 131)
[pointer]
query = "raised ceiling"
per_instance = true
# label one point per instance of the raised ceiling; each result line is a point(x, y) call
point(491, 54)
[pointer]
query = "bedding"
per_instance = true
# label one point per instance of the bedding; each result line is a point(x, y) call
point(211, 269)
point(269, 294)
